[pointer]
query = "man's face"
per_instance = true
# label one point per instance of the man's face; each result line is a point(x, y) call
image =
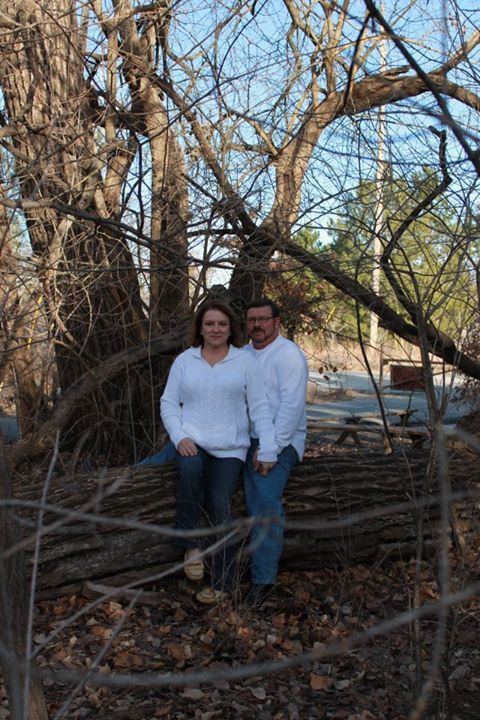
point(262, 327)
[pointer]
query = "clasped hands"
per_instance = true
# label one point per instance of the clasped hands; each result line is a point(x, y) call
point(260, 466)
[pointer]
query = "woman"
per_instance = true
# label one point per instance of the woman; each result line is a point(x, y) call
point(212, 390)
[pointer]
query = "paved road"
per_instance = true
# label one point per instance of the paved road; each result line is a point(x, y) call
point(359, 397)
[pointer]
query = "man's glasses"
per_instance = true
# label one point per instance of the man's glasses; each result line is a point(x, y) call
point(261, 320)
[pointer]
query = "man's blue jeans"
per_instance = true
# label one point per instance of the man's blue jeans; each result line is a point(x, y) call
point(204, 493)
point(263, 496)
point(166, 455)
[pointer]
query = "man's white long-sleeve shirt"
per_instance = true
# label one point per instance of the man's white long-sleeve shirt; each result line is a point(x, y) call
point(284, 373)
point(212, 404)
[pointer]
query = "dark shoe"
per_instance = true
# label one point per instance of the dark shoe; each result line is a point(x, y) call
point(257, 594)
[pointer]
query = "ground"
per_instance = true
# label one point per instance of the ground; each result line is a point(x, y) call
point(332, 644)
point(374, 678)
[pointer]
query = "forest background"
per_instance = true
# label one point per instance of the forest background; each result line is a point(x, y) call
point(153, 153)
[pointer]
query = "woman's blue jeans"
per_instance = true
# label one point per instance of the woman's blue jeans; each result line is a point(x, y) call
point(205, 489)
point(263, 497)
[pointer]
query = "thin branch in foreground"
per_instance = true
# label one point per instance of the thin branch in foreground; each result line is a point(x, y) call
point(328, 652)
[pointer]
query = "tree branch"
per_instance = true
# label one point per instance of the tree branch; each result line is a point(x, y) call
point(439, 343)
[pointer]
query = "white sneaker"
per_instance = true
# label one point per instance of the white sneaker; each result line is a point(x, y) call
point(194, 567)
point(209, 596)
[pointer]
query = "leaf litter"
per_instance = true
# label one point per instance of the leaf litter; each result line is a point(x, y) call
point(308, 611)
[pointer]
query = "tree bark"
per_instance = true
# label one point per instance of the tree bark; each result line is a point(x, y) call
point(324, 490)
point(72, 176)
point(13, 612)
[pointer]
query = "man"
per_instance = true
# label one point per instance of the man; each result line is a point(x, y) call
point(284, 371)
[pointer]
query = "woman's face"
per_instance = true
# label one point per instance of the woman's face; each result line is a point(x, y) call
point(215, 329)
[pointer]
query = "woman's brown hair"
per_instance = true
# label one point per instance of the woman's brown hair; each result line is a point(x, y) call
point(235, 338)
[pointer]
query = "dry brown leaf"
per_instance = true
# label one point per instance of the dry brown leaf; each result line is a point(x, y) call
point(114, 611)
point(428, 593)
point(233, 618)
point(320, 682)
point(113, 606)
point(302, 595)
point(180, 615)
point(208, 636)
point(101, 632)
point(162, 630)
point(60, 655)
point(127, 660)
point(176, 651)
point(161, 712)
point(258, 692)
point(291, 645)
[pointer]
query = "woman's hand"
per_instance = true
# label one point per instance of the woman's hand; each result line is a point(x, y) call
point(187, 448)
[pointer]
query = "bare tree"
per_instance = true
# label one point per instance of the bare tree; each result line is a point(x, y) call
point(73, 154)
point(154, 142)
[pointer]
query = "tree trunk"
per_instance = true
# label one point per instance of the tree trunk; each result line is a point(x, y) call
point(13, 612)
point(30, 398)
point(320, 491)
point(42, 441)
point(17, 359)
point(71, 176)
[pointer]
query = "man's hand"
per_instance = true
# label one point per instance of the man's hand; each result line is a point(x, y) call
point(265, 467)
point(187, 448)
point(261, 467)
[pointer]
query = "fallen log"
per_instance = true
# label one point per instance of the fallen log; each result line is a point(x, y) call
point(107, 527)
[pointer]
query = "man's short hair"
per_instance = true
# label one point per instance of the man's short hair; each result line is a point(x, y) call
point(264, 302)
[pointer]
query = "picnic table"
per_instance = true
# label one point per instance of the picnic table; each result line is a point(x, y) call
point(355, 425)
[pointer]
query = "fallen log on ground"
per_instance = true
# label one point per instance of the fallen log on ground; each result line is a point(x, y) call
point(79, 547)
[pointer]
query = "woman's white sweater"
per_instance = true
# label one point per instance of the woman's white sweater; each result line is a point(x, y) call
point(212, 404)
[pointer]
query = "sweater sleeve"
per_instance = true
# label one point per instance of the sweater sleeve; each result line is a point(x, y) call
point(170, 403)
point(260, 413)
point(292, 375)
